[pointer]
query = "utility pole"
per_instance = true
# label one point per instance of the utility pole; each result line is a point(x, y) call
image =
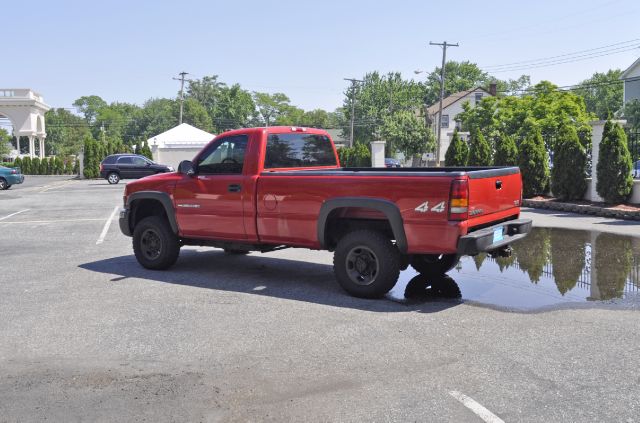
point(181, 79)
point(353, 104)
point(444, 46)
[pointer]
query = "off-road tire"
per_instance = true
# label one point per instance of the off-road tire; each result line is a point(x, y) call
point(377, 250)
point(152, 232)
point(113, 178)
point(433, 264)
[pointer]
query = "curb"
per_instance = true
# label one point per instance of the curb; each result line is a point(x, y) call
point(583, 209)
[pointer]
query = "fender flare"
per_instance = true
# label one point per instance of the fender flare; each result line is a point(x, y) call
point(388, 208)
point(160, 196)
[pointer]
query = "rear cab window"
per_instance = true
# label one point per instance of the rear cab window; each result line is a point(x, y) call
point(291, 150)
point(110, 160)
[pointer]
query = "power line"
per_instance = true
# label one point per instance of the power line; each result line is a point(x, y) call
point(564, 61)
point(561, 55)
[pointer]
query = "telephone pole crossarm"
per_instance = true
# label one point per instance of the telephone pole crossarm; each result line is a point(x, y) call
point(181, 79)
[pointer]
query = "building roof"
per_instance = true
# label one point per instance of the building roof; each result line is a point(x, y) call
point(453, 98)
point(630, 69)
point(183, 134)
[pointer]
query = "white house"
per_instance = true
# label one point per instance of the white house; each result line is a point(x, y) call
point(177, 144)
point(451, 108)
point(631, 78)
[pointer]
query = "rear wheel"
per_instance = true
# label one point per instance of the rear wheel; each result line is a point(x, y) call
point(154, 243)
point(366, 264)
point(3, 184)
point(113, 178)
point(434, 263)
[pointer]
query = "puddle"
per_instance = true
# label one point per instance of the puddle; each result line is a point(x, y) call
point(550, 267)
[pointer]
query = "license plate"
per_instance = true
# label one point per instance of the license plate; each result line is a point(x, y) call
point(497, 235)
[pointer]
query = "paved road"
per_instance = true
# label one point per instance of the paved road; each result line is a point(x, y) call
point(87, 334)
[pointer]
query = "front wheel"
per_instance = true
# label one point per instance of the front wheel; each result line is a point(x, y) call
point(434, 263)
point(155, 245)
point(366, 264)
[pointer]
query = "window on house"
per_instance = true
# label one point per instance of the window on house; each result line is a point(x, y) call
point(478, 97)
point(445, 121)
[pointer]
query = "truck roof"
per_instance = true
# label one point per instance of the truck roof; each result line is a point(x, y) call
point(274, 129)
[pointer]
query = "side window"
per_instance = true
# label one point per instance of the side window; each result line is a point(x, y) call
point(226, 155)
point(298, 150)
point(125, 160)
point(478, 97)
point(445, 121)
point(139, 161)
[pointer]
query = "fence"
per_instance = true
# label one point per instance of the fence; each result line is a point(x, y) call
point(633, 140)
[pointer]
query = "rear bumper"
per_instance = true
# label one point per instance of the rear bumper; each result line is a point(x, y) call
point(124, 222)
point(493, 237)
point(14, 179)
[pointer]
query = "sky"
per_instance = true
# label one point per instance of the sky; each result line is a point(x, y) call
point(129, 51)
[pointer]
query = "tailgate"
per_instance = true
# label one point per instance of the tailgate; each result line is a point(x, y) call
point(494, 190)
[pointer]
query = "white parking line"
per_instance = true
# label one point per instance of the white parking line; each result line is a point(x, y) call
point(476, 407)
point(106, 226)
point(49, 221)
point(13, 214)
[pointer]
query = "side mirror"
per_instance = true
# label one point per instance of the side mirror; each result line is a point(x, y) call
point(186, 167)
point(148, 164)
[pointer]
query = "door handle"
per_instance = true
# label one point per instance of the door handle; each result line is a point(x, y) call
point(234, 188)
point(498, 184)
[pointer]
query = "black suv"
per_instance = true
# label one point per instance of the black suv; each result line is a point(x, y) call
point(129, 166)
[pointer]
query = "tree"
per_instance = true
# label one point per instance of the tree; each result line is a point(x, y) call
point(602, 93)
point(65, 132)
point(458, 152)
point(534, 164)
point(569, 173)
point(145, 150)
point(195, 114)
point(407, 133)
point(377, 98)
point(506, 150)
point(5, 146)
point(462, 76)
point(89, 106)
point(357, 156)
point(270, 106)
point(631, 113)
point(479, 150)
point(614, 179)
point(544, 106)
point(568, 250)
point(157, 116)
point(236, 109)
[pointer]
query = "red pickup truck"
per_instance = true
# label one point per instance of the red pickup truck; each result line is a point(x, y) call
point(262, 189)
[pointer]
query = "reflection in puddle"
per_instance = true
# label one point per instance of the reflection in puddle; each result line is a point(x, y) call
point(549, 267)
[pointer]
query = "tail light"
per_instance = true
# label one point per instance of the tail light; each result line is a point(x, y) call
point(13, 171)
point(459, 200)
point(101, 167)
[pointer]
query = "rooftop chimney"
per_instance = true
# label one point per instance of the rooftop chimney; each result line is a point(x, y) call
point(493, 89)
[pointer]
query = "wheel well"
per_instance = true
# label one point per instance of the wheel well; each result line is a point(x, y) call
point(144, 208)
point(343, 220)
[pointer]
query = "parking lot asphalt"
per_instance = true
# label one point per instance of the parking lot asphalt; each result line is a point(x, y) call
point(87, 334)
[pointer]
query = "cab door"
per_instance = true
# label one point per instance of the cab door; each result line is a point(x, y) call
point(209, 203)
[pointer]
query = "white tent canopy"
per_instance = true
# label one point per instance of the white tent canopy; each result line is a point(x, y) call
point(180, 143)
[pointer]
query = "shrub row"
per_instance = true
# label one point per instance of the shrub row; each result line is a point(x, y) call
point(46, 166)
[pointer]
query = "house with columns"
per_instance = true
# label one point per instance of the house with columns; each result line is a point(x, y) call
point(25, 110)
